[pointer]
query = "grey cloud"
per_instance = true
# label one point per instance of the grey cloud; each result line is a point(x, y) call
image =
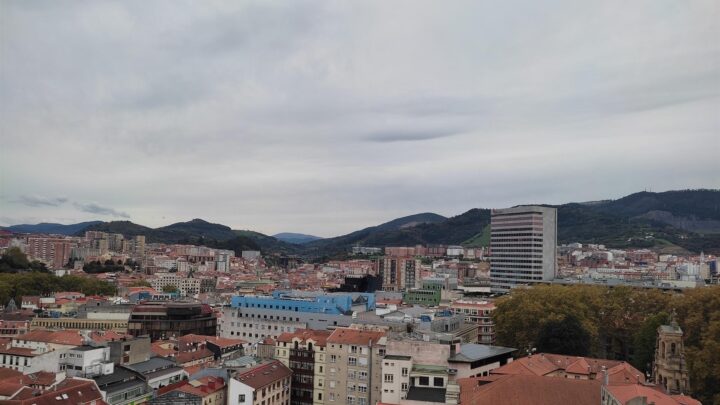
point(256, 114)
point(409, 136)
point(94, 208)
point(39, 201)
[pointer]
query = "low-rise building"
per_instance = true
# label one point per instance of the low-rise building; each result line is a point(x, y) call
point(87, 361)
point(265, 383)
point(159, 371)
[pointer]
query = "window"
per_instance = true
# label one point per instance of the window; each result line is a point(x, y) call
point(332, 396)
point(353, 349)
point(424, 381)
point(388, 378)
point(333, 358)
point(362, 388)
point(438, 382)
point(362, 375)
point(319, 396)
point(352, 361)
point(404, 372)
point(241, 398)
point(404, 387)
point(381, 352)
point(350, 400)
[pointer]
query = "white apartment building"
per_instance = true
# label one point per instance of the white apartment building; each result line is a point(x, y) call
point(523, 244)
point(186, 286)
point(87, 361)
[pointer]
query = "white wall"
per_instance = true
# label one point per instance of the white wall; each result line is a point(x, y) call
point(235, 389)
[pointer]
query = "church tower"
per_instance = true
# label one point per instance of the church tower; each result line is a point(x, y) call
point(669, 369)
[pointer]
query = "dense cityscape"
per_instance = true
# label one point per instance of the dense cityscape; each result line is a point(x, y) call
point(320, 202)
point(164, 323)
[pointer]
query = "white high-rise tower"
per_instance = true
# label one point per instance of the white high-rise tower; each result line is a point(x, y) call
point(523, 246)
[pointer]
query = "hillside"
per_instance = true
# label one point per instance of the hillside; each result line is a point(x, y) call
point(296, 238)
point(51, 228)
point(400, 231)
point(198, 231)
point(269, 244)
point(629, 222)
point(673, 221)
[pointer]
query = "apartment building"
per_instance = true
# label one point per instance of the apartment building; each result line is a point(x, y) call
point(267, 383)
point(479, 313)
point(398, 273)
point(304, 352)
point(425, 368)
point(354, 366)
point(186, 286)
point(523, 243)
point(55, 252)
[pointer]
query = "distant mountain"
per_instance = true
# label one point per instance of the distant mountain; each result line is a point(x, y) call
point(691, 210)
point(180, 232)
point(402, 231)
point(673, 221)
point(296, 238)
point(198, 231)
point(270, 244)
point(52, 228)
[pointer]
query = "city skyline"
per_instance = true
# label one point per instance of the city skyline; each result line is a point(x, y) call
point(325, 118)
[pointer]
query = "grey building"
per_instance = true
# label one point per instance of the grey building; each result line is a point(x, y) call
point(129, 350)
point(523, 244)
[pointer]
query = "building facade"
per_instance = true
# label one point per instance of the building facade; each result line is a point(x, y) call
point(166, 319)
point(354, 366)
point(523, 244)
point(304, 352)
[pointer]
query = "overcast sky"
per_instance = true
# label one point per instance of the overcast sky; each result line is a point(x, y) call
point(326, 117)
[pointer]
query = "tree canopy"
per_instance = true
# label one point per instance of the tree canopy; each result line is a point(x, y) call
point(616, 323)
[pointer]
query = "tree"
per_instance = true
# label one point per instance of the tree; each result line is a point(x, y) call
point(564, 336)
point(13, 260)
point(645, 339)
point(170, 289)
point(621, 323)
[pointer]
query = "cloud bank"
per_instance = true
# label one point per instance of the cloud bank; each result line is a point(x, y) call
point(326, 117)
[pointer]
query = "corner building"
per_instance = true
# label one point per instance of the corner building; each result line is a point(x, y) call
point(304, 351)
point(523, 246)
point(354, 366)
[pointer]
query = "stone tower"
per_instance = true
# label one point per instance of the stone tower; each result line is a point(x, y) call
point(669, 369)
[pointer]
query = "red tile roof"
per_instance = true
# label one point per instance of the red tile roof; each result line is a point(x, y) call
point(71, 391)
point(528, 389)
point(626, 392)
point(62, 337)
point(546, 363)
point(203, 386)
point(320, 337)
point(354, 336)
point(189, 357)
point(264, 374)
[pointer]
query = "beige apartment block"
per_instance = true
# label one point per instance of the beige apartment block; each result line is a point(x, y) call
point(354, 366)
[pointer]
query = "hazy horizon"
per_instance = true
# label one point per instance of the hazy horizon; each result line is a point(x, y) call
point(327, 117)
point(378, 222)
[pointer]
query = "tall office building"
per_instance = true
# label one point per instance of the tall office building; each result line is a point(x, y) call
point(523, 242)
